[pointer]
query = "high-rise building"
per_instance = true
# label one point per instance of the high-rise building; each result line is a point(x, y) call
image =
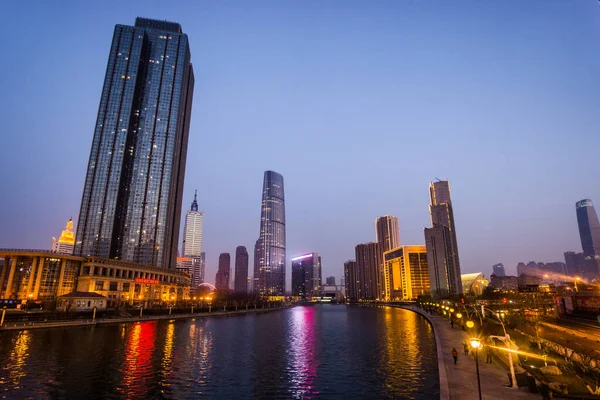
point(241, 270)
point(370, 271)
point(257, 253)
point(589, 227)
point(199, 267)
point(223, 273)
point(387, 233)
point(330, 281)
point(271, 243)
point(131, 203)
point(441, 243)
point(306, 275)
point(406, 273)
point(66, 241)
point(352, 280)
point(498, 269)
point(192, 231)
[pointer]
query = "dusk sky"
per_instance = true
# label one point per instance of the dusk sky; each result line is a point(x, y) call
point(358, 104)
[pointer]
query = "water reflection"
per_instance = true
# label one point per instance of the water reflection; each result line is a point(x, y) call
point(16, 360)
point(305, 352)
point(137, 366)
point(304, 362)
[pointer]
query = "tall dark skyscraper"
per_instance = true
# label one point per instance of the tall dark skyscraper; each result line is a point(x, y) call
point(498, 269)
point(369, 271)
point(131, 203)
point(589, 227)
point(351, 280)
point(387, 233)
point(224, 272)
point(306, 275)
point(241, 270)
point(441, 243)
point(271, 243)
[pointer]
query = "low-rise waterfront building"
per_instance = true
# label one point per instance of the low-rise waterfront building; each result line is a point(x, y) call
point(81, 301)
point(44, 275)
point(474, 284)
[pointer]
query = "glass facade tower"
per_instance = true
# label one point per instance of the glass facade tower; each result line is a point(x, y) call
point(270, 247)
point(241, 270)
point(589, 227)
point(133, 188)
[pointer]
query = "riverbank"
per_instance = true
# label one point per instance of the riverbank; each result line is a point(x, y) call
point(122, 320)
point(461, 378)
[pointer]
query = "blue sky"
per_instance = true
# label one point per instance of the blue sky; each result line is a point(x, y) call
point(359, 104)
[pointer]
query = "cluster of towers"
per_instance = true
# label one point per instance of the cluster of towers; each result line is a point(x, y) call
point(387, 270)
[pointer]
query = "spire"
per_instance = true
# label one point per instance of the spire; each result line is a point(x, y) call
point(195, 203)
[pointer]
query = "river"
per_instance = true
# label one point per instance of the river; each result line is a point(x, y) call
point(319, 352)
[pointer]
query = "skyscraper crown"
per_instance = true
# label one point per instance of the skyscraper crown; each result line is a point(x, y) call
point(195, 203)
point(158, 24)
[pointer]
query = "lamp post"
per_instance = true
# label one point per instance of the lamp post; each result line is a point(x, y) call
point(476, 344)
point(513, 377)
point(576, 279)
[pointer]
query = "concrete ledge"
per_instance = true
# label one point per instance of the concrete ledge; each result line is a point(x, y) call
point(444, 384)
point(125, 320)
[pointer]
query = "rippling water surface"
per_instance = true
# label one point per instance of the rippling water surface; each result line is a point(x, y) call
point(322, 351)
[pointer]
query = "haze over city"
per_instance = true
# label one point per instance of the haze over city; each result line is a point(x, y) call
point(363, 104)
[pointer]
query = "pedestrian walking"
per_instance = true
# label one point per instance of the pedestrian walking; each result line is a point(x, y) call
point(455, 355)
point(466, 348)
point(488, 354)
point(452, 322)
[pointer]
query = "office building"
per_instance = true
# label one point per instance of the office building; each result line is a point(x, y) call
point(241, 270)
point(223, 273)
point(406, 273)
point(199, 268)
point(498, 270)
point(352, 281)
point(441, 243)
point(192, 231)
point(330, 281)
point(66, 241)
point(370, 271)
point(271, 242)
point(306, 275)
point(589, 227)
point(132, 196)
point(387, 233)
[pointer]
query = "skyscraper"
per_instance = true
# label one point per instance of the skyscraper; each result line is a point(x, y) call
point(199, 264)
point(223, 273)
point(192, 231)
point(241, 270)
point(441, 243)
point(306, 275)
point(351, 280)
point(589, 227)
point(330, 281)
point(387, 233)
point(271, 242)
point(369, 271)
point(133, 188)
point(498, 269)
point(406, 272)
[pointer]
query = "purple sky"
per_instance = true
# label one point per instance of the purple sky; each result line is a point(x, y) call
point(358, 104)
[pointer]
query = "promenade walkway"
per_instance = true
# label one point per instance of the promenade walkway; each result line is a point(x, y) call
point(462, 377)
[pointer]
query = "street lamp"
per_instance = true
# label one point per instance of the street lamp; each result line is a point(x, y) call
point(476, 344)
point(470, 324)
point(576, 279)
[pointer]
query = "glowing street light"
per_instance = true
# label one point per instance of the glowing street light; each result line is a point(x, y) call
point(470, 324)
point(459, 315)
point(476, 344)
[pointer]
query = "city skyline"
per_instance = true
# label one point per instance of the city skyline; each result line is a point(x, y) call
point(505, 186)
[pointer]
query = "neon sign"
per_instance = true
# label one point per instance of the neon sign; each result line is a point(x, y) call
point(147, 281)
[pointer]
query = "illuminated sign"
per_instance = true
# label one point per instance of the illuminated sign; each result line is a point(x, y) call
point(147, 281)
point(302, 257)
